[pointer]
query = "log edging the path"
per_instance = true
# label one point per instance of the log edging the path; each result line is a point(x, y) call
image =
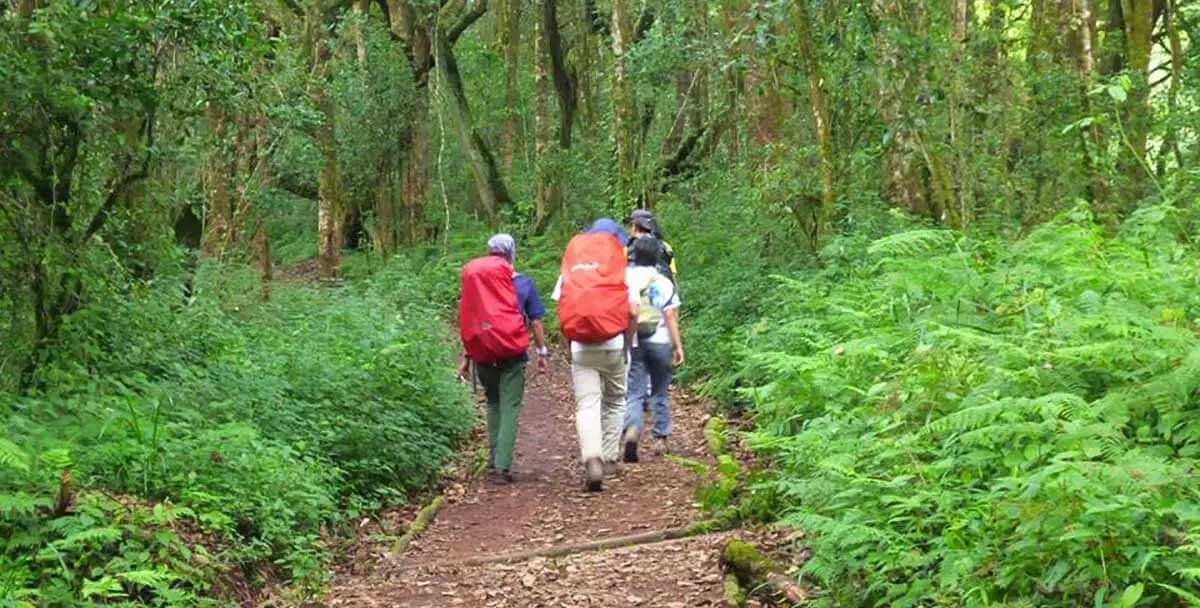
point(701, 528)
point(418, 525)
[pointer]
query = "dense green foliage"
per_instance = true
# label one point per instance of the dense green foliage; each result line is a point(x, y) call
point(962, 420)
point(207, 434)
point(941, 253)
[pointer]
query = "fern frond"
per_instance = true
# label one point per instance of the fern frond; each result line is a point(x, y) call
point(12, 457)
point(911, 243)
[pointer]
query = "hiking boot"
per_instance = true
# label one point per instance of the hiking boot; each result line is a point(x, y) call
point(662, 446)
point(594, 475)
point(611, 469)
point(501, 478)
point(631, 442)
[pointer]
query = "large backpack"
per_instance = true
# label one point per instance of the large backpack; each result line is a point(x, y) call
point(593, 305)
point(489, 321)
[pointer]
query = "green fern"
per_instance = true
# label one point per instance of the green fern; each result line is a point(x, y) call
point(12, 457)
point(911, 243)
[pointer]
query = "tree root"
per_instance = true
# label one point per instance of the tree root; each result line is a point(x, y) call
point(757, 573)
point(645, 538)
point(424, 516)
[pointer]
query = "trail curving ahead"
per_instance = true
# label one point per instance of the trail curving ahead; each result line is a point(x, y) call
point(465, 557)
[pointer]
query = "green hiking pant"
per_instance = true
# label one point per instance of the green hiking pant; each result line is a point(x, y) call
point(504, 385)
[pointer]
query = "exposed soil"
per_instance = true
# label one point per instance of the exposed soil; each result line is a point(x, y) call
point(547, 507)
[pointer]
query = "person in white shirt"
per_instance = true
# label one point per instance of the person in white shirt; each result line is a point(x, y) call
point(657, 352)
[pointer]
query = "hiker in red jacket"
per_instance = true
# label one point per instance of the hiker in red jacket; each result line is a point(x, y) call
point(496, 302)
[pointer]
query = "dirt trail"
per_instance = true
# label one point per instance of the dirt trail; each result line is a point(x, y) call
point(547, 507)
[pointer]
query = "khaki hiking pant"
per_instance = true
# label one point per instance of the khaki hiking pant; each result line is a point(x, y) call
point(599, 379)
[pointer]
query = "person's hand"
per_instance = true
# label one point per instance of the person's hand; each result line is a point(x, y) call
point(543, 354)
point(570, 356)
point(678, 355)
point(462, 370)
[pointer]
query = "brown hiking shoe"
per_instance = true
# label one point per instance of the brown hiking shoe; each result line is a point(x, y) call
point(500, 478)
point(662, 445)
point(594, 475)
point(631, 444)
point(611, 469)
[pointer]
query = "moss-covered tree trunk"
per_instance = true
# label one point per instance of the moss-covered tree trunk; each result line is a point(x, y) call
point(624, 116)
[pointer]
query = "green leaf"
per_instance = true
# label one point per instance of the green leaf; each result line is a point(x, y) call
point(1117, 93)
point(1131, 595)
point(107, 588)
point(1185, 595)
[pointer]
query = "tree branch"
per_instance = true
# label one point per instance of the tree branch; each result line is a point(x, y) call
point(122, 184)
point(466, 20)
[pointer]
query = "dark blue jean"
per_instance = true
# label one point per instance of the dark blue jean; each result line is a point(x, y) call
point(652, 361)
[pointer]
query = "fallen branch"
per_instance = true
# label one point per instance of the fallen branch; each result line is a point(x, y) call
point(735, 597)
point(424, 516)
point(758, 573)
point(646, 538)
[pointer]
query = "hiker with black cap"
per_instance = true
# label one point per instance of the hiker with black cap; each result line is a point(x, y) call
point(642, 222)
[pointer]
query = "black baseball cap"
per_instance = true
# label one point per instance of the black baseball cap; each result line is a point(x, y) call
point(639, 214)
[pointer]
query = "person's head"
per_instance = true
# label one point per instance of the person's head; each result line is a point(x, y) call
point(641, 221)
point(504, 246)
point(608, 226)
point(645, 251)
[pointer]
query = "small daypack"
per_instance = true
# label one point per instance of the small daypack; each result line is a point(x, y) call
point(593, 306)
point(656, 290)
point(489, 321)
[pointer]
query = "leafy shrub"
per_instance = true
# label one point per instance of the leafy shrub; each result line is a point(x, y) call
point(261, 423)
point(964, 422)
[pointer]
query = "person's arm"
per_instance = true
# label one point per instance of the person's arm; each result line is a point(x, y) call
point(534, 311)
point(672, 315)
point(539, 336)
point(631, 328)
point(635, 300)
point(464, 365)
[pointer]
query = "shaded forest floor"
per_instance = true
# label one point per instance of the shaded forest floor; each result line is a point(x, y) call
point(547, 508)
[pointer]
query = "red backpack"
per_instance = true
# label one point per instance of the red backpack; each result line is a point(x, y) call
point(489, 321)
point(593, 305)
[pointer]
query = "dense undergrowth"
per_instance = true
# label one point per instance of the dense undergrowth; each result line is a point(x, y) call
point(973, 420)
point(184, 452)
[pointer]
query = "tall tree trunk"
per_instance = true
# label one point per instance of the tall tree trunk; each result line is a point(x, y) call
point(901, 176)
point(1086, 63)
point(218, 184)
point(624, 116)
point(583, 65)
point(488, 184)
point(1139, 19)
point(384, 235)
point(414, 180)
point(959, 165)
point(329, 206)
point(265, 270)
point(544, 186)
point(564, 84)
point(1171, 139)
point(510, 31)
point(820, 114)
